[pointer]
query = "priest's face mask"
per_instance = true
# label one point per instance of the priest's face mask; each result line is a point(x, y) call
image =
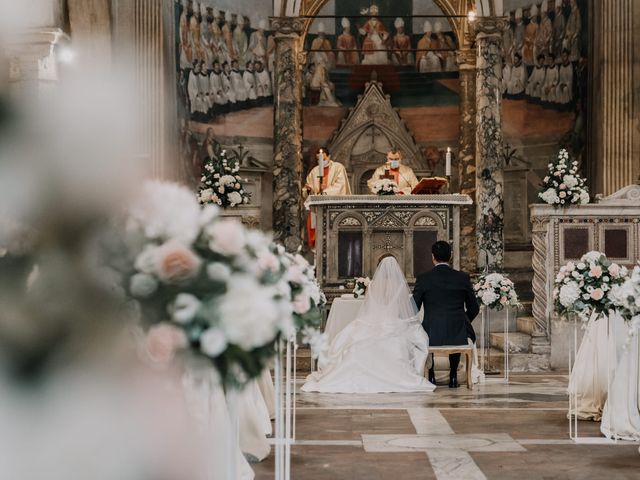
point(393, 159)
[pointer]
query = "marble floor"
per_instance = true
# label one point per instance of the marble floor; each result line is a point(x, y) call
point(497, 431)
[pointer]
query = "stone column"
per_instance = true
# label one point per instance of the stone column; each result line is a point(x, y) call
point(489, 156)
point(614, 78)
point(467, 157)
point(287, 146)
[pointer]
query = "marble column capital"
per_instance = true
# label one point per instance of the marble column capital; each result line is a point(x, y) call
point(484, 27)
point(466, 58)
point(287, 26)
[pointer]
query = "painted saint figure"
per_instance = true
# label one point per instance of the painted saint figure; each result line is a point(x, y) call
point(401, 52)
point(321, 48)
point(347, 47)
point(530, 32)
point(374, 50)
point(426, 59)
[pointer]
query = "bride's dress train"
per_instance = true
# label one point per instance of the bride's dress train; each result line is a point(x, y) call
point(621, 415)
point(384, 349)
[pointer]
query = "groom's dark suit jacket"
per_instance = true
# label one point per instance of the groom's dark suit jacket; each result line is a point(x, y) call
point(449, 305)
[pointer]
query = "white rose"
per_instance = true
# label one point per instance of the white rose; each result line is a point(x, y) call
point(143, 285)
point(584, 197)
point(591, 257)
point(227, 237)
point(147, 259)
point(218, 271)
point(213, 342)
point(184, 308)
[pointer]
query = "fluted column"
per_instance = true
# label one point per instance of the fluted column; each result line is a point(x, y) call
point(467, 157)
point(615, 125)
point(287, 145)
point(489, 157)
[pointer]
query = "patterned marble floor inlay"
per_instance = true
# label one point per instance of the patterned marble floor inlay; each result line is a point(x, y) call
point(506, 432)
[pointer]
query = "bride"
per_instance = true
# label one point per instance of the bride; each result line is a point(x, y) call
point(384, 349)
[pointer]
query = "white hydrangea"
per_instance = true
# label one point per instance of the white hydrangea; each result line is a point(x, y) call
point(250, 315)
point(591, 257)
point(550, 196)
point(570, 181)
point(569, 294)
point(235, 198)
point(584, 197)
point(227, 180)
point(489, 297)
point(166, 210)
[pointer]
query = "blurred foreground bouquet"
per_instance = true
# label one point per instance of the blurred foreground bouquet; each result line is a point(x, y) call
point(211, 287)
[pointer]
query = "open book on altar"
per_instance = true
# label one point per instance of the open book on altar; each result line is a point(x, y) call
point(429, 186)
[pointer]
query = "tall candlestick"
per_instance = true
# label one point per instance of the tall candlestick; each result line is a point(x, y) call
point(448, 164)
point(321, 164)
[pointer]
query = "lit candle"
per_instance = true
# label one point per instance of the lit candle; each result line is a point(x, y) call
point(448, 164)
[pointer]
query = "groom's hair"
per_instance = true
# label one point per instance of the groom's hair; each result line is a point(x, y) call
point(441, 251)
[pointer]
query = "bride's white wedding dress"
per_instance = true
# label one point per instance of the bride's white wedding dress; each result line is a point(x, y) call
point(384, 349)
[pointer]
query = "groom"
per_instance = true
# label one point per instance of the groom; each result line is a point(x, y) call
point(449, 306)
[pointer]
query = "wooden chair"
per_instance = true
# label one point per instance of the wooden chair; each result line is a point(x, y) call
point(447, 350)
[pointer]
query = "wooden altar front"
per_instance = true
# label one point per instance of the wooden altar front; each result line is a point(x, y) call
point(354, 232)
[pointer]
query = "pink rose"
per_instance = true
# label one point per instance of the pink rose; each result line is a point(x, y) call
point(595, 271)
point(301, 304)
point(163, 341)
point(597, 294)
point(562, 186)
point(503, 300)
point(562, 194)
point(614, 270)
point(175, 262)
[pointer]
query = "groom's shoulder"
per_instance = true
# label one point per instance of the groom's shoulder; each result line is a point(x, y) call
point(462, 275)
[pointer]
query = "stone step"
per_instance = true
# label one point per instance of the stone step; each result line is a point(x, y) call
point(520, 362)
point(518, 342)
point(303, 360)
point(526, 325)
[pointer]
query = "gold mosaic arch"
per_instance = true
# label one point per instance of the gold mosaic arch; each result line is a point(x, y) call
point(448, 7)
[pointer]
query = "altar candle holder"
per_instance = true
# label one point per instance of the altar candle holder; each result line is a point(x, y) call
point(447, 170)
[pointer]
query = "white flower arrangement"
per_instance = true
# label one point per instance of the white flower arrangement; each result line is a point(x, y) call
point(361, 285)
point(586, 287)
point(626, 299)
point(385, 186)
point(563, 186)
point(496, 291)
point(222, 291)
point(221, 185)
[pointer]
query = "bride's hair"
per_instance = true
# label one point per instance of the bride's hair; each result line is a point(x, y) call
point(386, 255)
point(388, 295)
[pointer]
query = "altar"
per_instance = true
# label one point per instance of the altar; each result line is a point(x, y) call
point(354, 232)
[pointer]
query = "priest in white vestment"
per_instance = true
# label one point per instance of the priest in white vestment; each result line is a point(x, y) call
point(334, 181)
point(403, 176)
